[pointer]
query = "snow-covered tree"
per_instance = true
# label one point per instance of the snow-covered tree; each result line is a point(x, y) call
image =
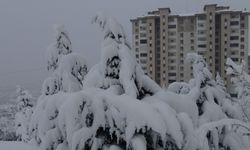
point(118, 65)
point(214, 106)
point(68, 68)
point(121, 108)
point(111, 111)
point(7, 122)
point(22, 118)
point(61, 46)
point(179, 87)
point(220, 82)
point(241, 84)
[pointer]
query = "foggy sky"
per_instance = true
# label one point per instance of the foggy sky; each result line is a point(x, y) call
point(26, 30)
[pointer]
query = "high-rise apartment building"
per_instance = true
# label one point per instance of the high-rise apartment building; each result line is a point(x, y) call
point(162, 40)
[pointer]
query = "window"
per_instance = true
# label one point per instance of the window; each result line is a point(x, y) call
point(172, 60)
point(241, 53)
point(192, 41)
point(192, 48)
point(143, 61)
point(234, 45)
point(136, 23)
point(143, 21)
point(233, 53)
point(171, 68)
point(172, 33)
point(202, 17)
point(242, 18)
point(235, 31)
point(172, 47)
point(234, 16)
point(242, 46)
point(171, 74)
point(202, 46)
point(171, 26)
point(235, 59)
point(142, 28)
point(242, 39)
point(171, 40)
point(200, 25)
point(143, 55)
point(234, 38)
point(201, 31)
point(143, 35)
point(143, 41)
point(171, 54)
point(202, 39)
point(171, 81)
point(171, 19)
point(233, 23)
point(242, 32)
point(192, 34)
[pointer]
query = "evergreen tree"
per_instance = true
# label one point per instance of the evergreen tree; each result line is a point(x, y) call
point(220, 82)
point(68, 68)
point(122, 108)
point(241, 84)
point(61, 46)
point(22, 118)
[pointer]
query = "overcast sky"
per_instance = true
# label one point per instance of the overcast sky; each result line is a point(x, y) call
point(26, 30)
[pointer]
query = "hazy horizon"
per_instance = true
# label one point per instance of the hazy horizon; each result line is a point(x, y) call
point(26, 30)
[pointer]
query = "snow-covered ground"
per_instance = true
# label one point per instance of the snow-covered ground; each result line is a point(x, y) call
point(16, 146)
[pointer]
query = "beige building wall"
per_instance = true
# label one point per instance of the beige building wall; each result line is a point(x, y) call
point(162, 40)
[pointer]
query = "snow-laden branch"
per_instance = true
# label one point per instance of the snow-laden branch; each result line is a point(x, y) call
point(202, 131)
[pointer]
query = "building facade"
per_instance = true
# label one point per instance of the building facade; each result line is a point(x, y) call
point(161, 41)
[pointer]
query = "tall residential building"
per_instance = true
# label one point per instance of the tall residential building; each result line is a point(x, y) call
point(162, 40)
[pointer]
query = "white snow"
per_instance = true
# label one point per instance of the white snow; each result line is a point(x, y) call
point(116, 106)
point(16, 146)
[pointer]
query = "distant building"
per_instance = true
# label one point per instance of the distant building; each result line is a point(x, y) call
point(161, 41)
